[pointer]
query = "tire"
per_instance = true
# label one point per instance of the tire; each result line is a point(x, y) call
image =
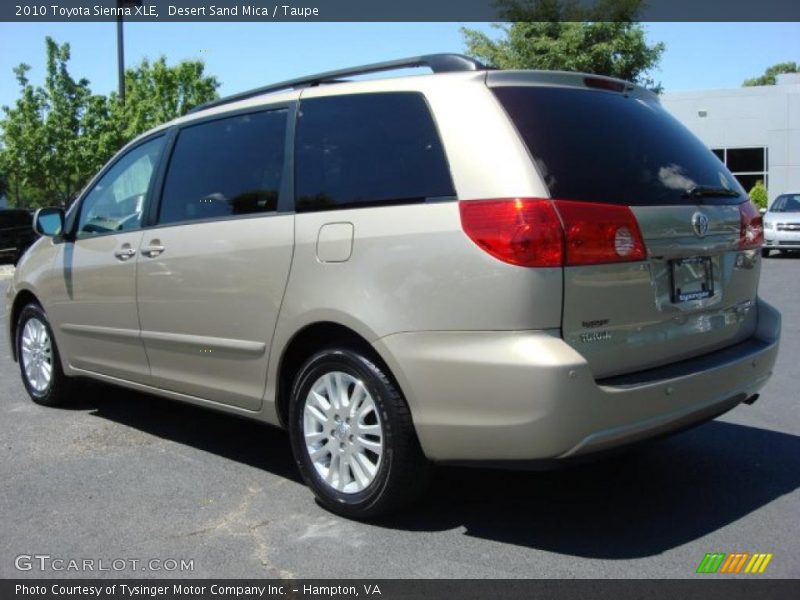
point(765, 252)
point(390, 478)
point(40, 347)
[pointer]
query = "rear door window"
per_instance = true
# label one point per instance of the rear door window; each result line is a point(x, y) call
point(612, 148)
point(226, 167)
point(366, 150)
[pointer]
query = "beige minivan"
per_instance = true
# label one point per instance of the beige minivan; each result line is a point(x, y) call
point(473, 266)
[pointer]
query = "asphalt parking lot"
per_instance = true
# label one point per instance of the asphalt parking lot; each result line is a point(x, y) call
point(121, 475)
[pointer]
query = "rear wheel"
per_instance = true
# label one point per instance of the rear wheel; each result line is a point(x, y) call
point(38, 357)
point(352, 436)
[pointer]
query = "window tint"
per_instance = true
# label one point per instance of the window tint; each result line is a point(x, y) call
point(116, 202)
point(368, 149)
point(226, 167)
point(608, 147)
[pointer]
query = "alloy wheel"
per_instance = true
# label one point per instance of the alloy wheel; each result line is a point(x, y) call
point(37, 355)
point(343, 432)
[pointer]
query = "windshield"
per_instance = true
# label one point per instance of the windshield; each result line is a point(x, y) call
point(608, 147)
point(786, 203)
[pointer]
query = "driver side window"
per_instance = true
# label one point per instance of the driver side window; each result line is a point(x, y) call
point(116, 202)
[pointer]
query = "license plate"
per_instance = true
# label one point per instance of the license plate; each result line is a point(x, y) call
point(691, 279)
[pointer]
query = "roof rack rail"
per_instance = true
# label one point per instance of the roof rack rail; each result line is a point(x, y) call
point(438, 63)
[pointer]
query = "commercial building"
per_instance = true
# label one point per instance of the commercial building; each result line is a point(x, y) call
point(755, 131)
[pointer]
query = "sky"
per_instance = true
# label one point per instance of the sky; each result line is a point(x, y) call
point(247, 55)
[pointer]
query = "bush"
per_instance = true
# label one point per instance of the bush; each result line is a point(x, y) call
point(759, 195)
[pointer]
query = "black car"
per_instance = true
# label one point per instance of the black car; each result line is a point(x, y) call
point(16, 234)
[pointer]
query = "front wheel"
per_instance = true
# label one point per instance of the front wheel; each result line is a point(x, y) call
point(352, 436)
point(39, 362)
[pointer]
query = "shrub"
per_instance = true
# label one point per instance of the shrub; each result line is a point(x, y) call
point(759, 195)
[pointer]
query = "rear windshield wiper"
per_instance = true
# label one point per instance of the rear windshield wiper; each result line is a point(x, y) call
point(707, 191)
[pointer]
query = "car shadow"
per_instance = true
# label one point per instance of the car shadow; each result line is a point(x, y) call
point(656, 497)
point(242, 440)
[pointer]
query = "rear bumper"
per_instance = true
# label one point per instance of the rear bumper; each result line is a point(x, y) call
point(523, 396)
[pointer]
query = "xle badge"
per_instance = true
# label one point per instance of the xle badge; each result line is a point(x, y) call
point(595, 336)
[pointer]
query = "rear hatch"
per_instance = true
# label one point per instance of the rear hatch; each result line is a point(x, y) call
point(613, 146)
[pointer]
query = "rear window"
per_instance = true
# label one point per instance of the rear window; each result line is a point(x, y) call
point(607, 147)
point(368, 149)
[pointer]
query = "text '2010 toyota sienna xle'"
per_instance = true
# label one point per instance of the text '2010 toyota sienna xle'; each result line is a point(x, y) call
point(473, 266)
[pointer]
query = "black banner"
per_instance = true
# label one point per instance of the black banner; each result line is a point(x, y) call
point(703, 588)
point(390, 10)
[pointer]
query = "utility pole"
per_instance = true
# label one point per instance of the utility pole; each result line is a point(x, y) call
point(121, 46)
point(120, 57)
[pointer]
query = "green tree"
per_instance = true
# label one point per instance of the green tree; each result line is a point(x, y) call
point(156, 93)
point(758, 194)
point(769, 76)
point(23, 139)
point(565, 35)
point(43, 135)
point(57, 135)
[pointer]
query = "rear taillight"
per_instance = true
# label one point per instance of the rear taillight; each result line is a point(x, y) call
point(534, 232)
point(525, 232)
point(600, 233)
point(751, 231)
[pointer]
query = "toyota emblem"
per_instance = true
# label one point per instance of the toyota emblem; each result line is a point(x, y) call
point(700, 224)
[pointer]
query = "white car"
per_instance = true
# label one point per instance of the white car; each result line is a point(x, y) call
point(782, 224)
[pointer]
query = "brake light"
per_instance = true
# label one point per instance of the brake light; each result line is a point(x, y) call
point(525, 232)
point(533, 232)
point(600, 233)
point(602, 83)
point(751, 231)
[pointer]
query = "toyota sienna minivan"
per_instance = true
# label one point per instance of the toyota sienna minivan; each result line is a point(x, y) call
point(471, 267)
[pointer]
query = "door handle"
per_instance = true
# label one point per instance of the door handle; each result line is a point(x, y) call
point(125, 253)
point(153, 250)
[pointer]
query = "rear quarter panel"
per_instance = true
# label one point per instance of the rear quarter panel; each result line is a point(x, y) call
point(412, 268)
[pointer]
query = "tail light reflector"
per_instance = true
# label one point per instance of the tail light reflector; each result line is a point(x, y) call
point(600, 233)
point(751, 232)
point(534, 232)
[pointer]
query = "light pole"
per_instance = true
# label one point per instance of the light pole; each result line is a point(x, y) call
point(121, 46)
point(120, 58)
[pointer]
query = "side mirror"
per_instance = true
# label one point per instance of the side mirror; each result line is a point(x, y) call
point(49, 221)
